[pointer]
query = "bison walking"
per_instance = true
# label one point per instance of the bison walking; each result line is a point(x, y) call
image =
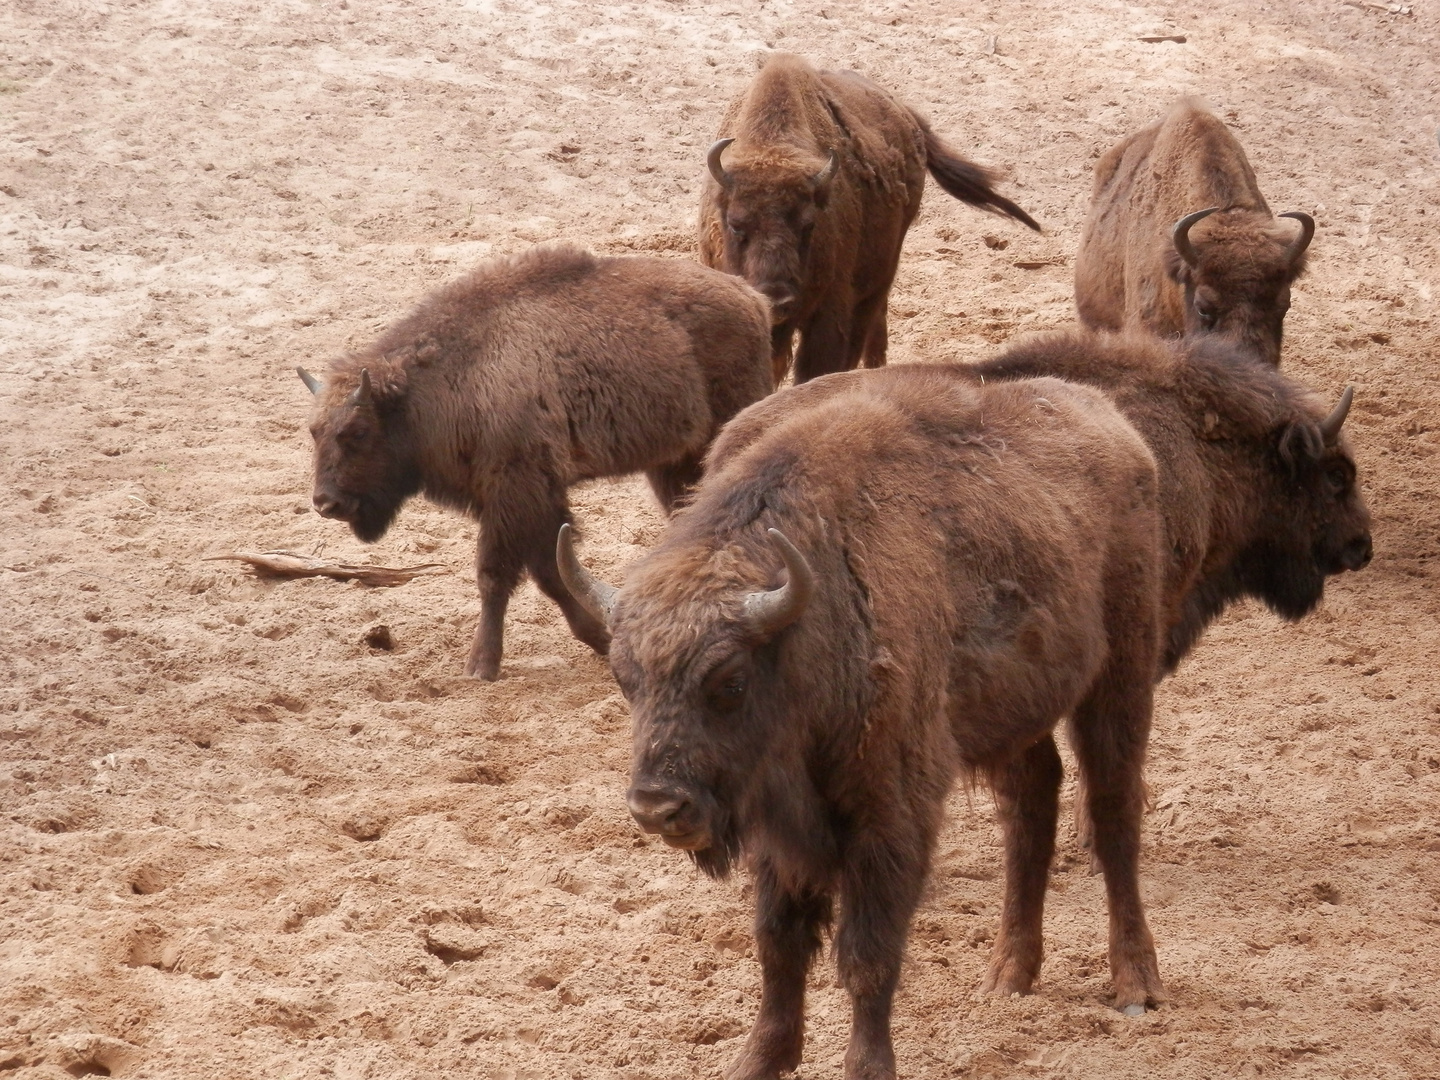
point(815, 180)
point(887, 578)
point(533, 373)
point(1179, 239)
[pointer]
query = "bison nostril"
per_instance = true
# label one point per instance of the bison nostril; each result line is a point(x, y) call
point(1357, 554)
point(656, 811)
point(324, 505)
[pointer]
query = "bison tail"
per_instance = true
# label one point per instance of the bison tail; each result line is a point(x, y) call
point(968, 182)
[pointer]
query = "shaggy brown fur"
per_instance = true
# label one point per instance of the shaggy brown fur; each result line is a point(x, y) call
point(1256, 501)
point(1128, 271)
point(986, 562)
point(825, 252)
point(529, 375)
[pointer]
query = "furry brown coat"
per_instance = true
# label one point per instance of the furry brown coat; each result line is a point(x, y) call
point(812, 201)
point(964, 566)
point(531, 374)
point(1152, 256)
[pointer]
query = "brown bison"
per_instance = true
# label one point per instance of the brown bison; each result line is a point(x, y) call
point(1179, 239)
point(529, 375)
point(814, 182)
point(1258, 493)
point(896, 578)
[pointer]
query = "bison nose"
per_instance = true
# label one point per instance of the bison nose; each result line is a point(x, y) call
point(326, 505)
point(657, 811)
point(1357, 553)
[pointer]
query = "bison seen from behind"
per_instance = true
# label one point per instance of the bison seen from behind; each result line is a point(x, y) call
point(963, 567)
point(1179, 239)
point(814, 182)
point(529, 375)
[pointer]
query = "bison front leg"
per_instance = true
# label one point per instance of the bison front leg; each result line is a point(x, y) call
point(880, 890)
point(1027, 791)
point(497, 571)
point(787, 935)
point(671, 483)
point(1111, 729)
point(824, 347)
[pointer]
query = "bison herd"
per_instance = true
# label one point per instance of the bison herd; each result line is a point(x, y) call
point(874, 582)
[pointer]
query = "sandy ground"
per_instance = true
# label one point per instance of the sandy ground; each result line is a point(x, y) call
point(236, 841)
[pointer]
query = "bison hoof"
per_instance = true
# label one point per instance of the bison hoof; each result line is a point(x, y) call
point(489, 670)
point(1133, 1010)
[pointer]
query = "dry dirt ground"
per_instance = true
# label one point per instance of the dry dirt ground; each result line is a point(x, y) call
point(236, 841)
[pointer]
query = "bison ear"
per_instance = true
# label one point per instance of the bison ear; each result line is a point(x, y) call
point(1175, 267)
point(1300, 443)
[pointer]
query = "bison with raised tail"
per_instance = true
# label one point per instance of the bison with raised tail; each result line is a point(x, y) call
point(888, 578)
point(814, 182)
point(529, 375)
point(1179, 239)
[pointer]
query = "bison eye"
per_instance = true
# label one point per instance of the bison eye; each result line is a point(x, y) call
point(1205, 315)
point(1338, 479)
point(736, 231)
point(725, 686)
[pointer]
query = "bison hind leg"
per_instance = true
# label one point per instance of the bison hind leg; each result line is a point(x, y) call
point(672, 483)
point(1027, 793)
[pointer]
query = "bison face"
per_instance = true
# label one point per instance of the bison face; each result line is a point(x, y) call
point(1319, 524)
point(1236, 282)
point(363, 466)
point(695, 658)
point(768, 216)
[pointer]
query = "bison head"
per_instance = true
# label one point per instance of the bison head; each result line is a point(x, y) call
point(1317, 524)
point(693, 649)
point(768, 214)
point(1237, 280)
point(364, 469)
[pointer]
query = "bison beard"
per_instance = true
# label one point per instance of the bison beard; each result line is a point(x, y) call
point(886, 577)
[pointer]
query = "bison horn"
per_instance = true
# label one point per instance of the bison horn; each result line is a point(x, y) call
point(1330, 426)
point(712, 160)
point(824, 176)
point(1307, 233)
point(1180, 234)
point(769, 612)
point(364, 393)
point(311, 382)
point(594, 595)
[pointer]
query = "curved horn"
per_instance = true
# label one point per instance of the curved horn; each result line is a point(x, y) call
point(364, 393)
point(1330, 426)
point(311, 382)
point(825, 175)
point(1307, 233)
point(594, 595)
point(712, 161)
point(1180, 234)
point(769, 612)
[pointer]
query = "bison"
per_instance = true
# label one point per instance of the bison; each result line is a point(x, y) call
point(1258, 492)
point(887, 579)
point(533, 373)
point(1179, 239)
point(814, 181)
